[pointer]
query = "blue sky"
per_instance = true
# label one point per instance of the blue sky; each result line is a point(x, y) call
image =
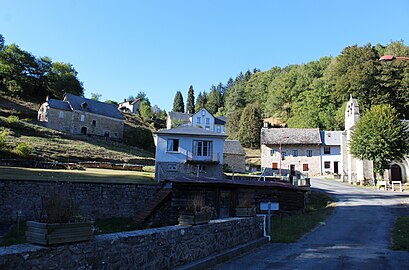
point(122, 47)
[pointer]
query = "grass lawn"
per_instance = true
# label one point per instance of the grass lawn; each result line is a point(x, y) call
point(400, 234)
point(89, 175)
point(288, 229)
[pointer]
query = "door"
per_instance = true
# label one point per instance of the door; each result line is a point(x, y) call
point(225, 203)
point(292, 169)
point(396, 173)
point(336, 167)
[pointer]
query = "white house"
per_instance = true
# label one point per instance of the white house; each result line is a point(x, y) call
point(203, 119)
point(331, 162)
point(188, 151)
point(130, 106)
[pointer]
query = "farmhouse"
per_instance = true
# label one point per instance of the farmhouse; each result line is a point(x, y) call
point(79, 115)
point(130, 106)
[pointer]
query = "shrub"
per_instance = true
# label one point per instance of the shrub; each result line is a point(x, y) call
point(12, 120)
point(23, 149)
point(140, 137)
point(3, 143)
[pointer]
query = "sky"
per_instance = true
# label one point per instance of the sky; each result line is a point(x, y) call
point(120, 48)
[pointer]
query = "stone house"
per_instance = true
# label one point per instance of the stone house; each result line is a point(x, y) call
point(234, 156)
point(291, 151)
point(203, 119)
point(78, 115)
point(131, 106)
point(188, 151)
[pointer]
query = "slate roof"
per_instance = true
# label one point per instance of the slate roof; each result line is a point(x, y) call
point(185, 117)
point(233, 147)
point(190, 131)
point(59, 104)
point(93, 106)
point(220, 120)
point(331, 137)
point(225, 182)
point(272, 136)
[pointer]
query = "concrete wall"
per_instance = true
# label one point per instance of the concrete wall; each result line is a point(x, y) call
point(95, 200)
point(163, 170)
point(160, 248)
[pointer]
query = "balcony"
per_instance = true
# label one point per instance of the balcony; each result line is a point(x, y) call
point(210, 159)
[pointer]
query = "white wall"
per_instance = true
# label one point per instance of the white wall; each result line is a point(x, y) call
point(203, 114)
point(185, 147)
point(334, 156)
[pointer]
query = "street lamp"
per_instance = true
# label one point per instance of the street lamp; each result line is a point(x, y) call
point(389, 57)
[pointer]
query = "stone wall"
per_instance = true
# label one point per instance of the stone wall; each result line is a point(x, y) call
point(114, 127)
point(237, 162)
point(159, 248)
point(95, 200)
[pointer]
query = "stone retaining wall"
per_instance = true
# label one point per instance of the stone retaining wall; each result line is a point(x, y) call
point(160, 248)
point(95, 200)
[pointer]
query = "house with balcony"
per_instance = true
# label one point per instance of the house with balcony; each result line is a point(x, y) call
point(188, 151)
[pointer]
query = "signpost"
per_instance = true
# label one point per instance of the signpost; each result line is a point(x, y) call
point(269, 206)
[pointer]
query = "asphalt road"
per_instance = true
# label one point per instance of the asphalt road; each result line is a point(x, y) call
point(356, 236)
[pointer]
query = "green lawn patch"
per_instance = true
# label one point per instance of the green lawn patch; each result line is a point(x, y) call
point(400, 234)
point(89, 175)
point(288, 229)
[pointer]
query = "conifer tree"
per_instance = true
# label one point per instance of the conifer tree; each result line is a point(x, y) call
point(178, 104)
point(190, 105)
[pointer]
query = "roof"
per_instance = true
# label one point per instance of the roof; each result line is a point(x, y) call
point(233, 147)
point(248, 183)
point(331, 137)
point(190, 130)
point(135, 100)
point(59, 104)
point(220, 120)
point(93, 106)
point(185, 117)
point(271, 136)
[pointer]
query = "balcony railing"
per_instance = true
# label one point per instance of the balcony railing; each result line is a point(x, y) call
point(192, 158)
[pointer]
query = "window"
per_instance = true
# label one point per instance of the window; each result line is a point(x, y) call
point(203, 112)
point(61, 114)
point(272, 152)
point(173, 145)
point(219, 129)
point(295, 153)
point(172, 167)
point(82, 118)
point(106, 134)
point(327, 164)
point(94, 122)
point(198, 120)
point(309, 153)
point(207, 128)
point(203, 148)
point(305, 167)
point(327, 150)
point(207, 121)
point(274, 165)
point(283, 155)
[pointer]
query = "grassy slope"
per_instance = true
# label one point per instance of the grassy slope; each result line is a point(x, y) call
point(51, 145)
point(400, 234)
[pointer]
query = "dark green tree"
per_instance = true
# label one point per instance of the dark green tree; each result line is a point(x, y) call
point(201, 101)
point(1, 42)
point(381, 137)
point(214, 100)
point(190, 104)
point(250, 126)
point(233, 125)
point(178, 104)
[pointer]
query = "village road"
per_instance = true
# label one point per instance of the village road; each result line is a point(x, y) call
point(356, 236)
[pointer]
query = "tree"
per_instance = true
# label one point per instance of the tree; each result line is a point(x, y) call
point(146, 111)
point(201, 101)
point(95, 96)
point(250, 126)
point(1, 42)
point(381, 137)
point(214, 100)
point(190, 105)
point(178, 104)
point(63, 79)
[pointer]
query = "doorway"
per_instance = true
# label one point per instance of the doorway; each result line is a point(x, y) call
point(396, 173)
point(336, 167)
point(84, 130)
point(225, 203)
